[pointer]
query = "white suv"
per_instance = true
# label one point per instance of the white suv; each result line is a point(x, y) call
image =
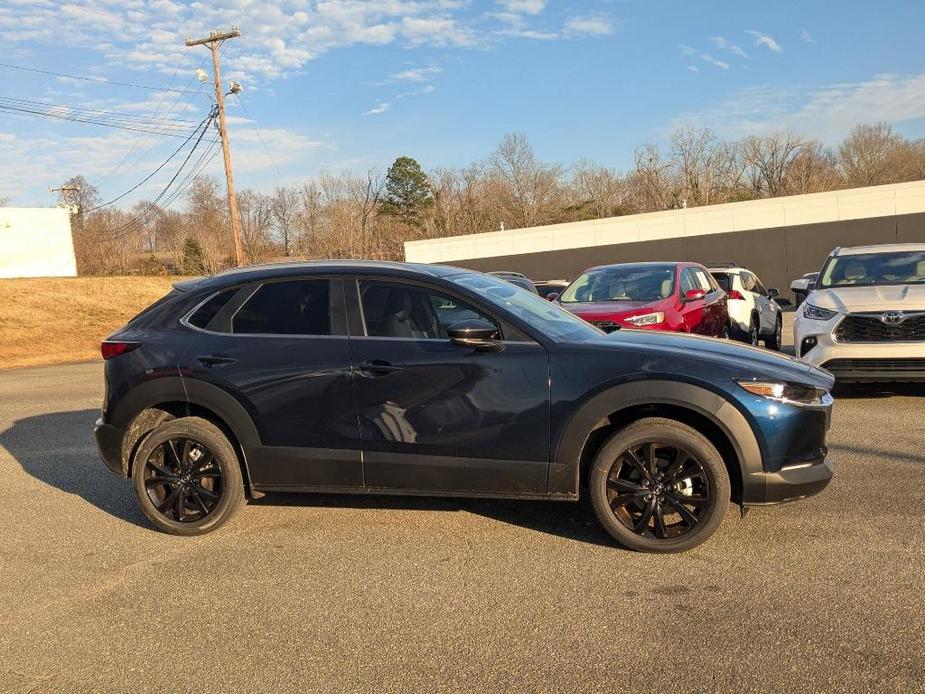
point(753, 313)
point(864, 319)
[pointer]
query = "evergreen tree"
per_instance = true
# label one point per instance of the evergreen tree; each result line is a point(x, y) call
point(407, 191)
point(192, 257)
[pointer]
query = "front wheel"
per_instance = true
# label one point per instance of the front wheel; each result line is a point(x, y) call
point(774, 340)
point(187, 478)
point(659, 486)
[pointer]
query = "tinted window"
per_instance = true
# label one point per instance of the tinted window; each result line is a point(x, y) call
point(724, 280)
point(205, 313)
point(622, 283)
point(300, 307)
point(402, 310)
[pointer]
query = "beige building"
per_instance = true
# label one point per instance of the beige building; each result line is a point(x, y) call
point(36, 242)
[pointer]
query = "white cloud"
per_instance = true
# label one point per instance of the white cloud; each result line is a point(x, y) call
point(692, 68)
point(381, 107)
point(687, 50)
point(429, 89)
point(417, 74)
point(726, 45)
point(762, 39)
point(826, 112)
point(707, 58)
point(523, 6)
point(807, 37)
point(588, 26)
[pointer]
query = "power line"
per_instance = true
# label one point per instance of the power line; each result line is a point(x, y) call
point(103, 113)
point(163, 164)
point(112, 234)
point(98, 80)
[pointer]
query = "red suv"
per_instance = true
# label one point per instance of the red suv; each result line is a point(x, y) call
point(679, 297)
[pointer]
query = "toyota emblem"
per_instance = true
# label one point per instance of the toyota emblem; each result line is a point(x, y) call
point(892, 317)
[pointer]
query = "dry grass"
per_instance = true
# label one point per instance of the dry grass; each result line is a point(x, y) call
point(54, 321)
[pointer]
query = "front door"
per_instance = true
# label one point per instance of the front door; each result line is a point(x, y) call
point(436, 416)
point(281, 350)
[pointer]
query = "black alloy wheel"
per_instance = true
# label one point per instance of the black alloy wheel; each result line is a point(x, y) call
point(753, 333)
point(183, 480)
point(187, 476)
point(659, 490)
point(659, 485)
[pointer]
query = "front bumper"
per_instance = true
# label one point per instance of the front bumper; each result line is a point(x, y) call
point(790, 483)
point(109, 444)
point(857, 361)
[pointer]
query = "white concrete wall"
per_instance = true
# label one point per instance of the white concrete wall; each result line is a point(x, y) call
point(854, 203)
point(36, 242)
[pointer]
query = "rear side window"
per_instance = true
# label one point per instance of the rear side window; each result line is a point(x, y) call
point(724, 280)
point(299, 307)
point(205, 313)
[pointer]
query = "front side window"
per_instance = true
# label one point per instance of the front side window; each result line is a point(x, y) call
point(626, 283)
point(702, 280)
point(404, 310)
point(295, 307)
point(545, 316)
point(868, 269)
point(688, 282)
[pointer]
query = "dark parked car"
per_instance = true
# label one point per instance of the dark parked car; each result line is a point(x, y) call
point(386, 378)
point(517, 279)
point(676, 297)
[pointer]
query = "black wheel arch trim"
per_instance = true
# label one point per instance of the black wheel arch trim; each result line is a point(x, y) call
point(174, 388)
point(565, 469)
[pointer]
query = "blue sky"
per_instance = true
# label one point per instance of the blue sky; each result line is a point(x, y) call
point(353, 84)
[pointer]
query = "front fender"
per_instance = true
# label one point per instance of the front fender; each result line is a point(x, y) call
point(564, 472)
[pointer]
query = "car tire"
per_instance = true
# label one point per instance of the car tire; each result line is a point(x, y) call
point(773, 341)
point(619, 489)
point(187, 477)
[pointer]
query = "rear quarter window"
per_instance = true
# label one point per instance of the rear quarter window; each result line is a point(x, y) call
point(205, 313)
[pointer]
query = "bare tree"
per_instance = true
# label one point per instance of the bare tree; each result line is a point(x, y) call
point(285, 211)
point(527, 188)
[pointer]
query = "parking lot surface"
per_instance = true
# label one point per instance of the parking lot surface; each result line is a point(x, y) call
point(377, 594)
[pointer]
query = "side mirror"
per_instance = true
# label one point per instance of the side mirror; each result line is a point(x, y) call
point(694, 294)
point(552, 297)
point(773, 292)
point(476, 334)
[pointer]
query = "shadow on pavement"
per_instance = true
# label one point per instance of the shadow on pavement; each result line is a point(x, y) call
point(877, 390)
point(572, 521)
point(58, 449)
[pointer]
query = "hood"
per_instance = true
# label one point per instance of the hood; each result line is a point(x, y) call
point(895, 297)
point(755, 361)
point(612, 310)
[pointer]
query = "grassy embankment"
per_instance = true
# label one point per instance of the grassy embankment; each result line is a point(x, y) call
point(60, 320)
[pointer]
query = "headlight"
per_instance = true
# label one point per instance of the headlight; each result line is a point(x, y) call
point(647, 319)
point(788, 392)
point(816, 313)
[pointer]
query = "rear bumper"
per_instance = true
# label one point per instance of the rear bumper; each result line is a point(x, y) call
point(109, 444)
point(791, 483)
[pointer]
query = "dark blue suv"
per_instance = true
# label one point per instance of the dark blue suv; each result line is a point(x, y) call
point(389, 378)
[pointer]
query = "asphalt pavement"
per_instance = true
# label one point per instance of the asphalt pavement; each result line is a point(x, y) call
point(316, 593)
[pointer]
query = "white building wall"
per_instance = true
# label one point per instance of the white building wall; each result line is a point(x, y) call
point(36, 242)
point(834, 206)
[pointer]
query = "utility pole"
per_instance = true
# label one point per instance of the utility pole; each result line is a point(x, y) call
point(64, 190)
point(214, 41)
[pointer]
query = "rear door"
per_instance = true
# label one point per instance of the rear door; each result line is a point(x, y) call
point(436, 416)
point(280, 348)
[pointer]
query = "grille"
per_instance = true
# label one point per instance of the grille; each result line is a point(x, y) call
point(875, 366)
point(608, 326)
point(872, 329)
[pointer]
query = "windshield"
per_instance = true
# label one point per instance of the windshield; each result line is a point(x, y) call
point(868, 269)
point(622, 283)
point(552, 320)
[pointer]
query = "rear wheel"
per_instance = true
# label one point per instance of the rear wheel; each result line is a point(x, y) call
point(187, 478)
point(752, 336)
point(659, 486)
point(773, 341)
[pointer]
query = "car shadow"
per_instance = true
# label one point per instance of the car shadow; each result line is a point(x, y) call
point(857, 391)
point(58, 449)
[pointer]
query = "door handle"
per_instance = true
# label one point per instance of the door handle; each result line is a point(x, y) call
point(215, 360)
point(378, 367)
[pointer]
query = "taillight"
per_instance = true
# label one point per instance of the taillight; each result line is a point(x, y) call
point(110, 349)
point(733, 294)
